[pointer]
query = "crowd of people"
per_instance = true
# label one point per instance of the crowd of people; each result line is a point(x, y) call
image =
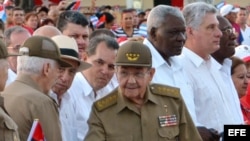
point(158, 74)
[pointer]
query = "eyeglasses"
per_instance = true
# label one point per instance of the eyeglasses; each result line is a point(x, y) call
point(228, 31)
point(137, 75)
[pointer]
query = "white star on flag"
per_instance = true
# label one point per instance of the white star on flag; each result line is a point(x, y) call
point(46, 3)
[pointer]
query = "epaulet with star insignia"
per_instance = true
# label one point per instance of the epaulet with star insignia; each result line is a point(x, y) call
point(165, 90)
point(106, 101)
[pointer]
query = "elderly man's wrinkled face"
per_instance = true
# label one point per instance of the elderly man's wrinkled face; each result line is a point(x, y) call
point(133, 81)
point(170, 37)
point(66, 76)
point(52, 74)
point(228, 39)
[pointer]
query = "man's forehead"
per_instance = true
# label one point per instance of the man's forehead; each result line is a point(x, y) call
point(72, 28)
point(18, 11)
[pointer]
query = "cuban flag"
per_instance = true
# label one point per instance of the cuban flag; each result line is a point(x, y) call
point(36, 132)
point(3, 15)
point(101, 21)
point(177, 3)
point(46, 2)
point(77, 5)
point(94, 19)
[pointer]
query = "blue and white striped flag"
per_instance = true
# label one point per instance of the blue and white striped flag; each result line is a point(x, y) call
point(3, 13)
point(220, 4)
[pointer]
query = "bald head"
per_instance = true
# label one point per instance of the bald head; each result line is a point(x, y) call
point(48, 31)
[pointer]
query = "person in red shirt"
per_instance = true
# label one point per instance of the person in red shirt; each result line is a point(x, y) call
point(243, 52)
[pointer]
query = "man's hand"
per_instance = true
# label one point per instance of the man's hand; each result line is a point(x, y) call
point(208, 134)
point(62, 5)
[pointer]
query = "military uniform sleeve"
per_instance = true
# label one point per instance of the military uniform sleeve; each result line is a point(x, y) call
point(48, 115)
point(188, 131)
point(8, 128)
point(96, 130)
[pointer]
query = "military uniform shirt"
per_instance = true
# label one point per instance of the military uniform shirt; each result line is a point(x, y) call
point(25, 102)
point(114, 118)
point(8, 128)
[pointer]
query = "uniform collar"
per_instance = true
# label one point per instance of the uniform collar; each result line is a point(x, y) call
point(123, 103)
point(26, 79)
point(157, 59)
point(196, 59)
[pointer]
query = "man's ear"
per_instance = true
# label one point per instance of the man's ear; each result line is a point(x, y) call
point(84, 56)
point(46, 69)
point(189, 31)
point(151, 73)
point(152, 33)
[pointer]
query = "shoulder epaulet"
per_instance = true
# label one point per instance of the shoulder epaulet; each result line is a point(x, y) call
point(106, 101)
point(165, 90)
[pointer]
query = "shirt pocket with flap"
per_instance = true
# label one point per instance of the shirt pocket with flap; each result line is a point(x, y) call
point(170, 133)
point(120, 138)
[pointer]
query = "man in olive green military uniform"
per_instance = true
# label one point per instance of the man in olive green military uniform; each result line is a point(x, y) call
point(138, 110)
point(8, 128)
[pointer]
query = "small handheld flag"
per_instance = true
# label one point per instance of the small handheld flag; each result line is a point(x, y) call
point(36, 132)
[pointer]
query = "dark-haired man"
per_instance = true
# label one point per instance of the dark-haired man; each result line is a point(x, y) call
point(75, 24)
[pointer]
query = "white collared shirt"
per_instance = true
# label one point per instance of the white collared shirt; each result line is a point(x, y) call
point(11, 77)
point(230, 89)
point(213, 109)
point(246, 35)
point(67, 115)
point(174, 76)
point(85, 97)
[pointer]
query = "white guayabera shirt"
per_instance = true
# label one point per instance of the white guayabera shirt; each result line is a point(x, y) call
point(84, 96)
point(214, 107)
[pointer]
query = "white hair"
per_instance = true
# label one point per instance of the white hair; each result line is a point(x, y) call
point(33, 65)
point(194, 13)
point(158, 15)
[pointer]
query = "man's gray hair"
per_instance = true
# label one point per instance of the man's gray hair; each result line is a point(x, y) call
point(9, 31)
point(32, 65)
point(158, 15)
point(194, 13)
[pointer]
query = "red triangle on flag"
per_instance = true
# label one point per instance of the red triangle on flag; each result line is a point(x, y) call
point(101, 21)
point(36, 132)
point(41, 2)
